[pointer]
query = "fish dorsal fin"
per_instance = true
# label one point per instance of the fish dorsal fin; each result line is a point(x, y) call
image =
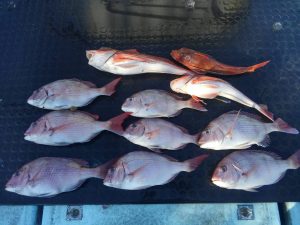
point(135, 51)
point(230, 131)
point(74, 165)
point(184, 130)
point(272, 154)
point(265, 142)
point(170, 158)
point(87, 83)
point(81, 162)
point(250, 115)
point(175, 96)
point(250, 190)
point(155, 149)
point(95, 116)
point(104, 49)
point(175, 114)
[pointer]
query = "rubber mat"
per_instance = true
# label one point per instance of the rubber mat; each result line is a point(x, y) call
point(42, 41)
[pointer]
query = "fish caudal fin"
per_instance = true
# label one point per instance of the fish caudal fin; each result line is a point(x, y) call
point(264, 110)
point(192, 164)
point(110, 88)
point(295, 160)
point(192, 104)
point(282, 126)
point(115, 124)
point(257, 66)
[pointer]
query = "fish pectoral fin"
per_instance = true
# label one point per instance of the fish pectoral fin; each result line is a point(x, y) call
point(230, 131)
point(149, 105)
point(251, 190)
point(152, 134)
point(134, 173)
point(265, 142)
point(197, 99)
point(54, 129)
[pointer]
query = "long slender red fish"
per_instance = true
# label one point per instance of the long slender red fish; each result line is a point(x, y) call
point(202, 63)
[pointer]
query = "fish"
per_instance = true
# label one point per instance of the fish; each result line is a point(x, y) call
point(207, 87)
point(250, 169)
point(69, 94)
point(203, 63)
point(50, 176)
point(240, 130)
point(140, 170)
point(158, 103)
point(65, 127)
point(131, 62)
point(156, 134)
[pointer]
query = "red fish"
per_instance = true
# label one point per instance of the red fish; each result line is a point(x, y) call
point(202, 63)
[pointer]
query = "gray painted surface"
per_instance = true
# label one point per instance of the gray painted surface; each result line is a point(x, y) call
point(18, 215)
point(208, 214)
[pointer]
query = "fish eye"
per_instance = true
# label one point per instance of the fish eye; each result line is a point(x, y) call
point(134, 125)
point(224, 168)
point(17, 173)
point(207, 131)
point(130, 99)
point(187, 57)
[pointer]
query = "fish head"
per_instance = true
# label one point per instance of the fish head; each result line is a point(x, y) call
point(19, 180)
point(135, 130)
point(179, 84)
point(183, 55)
point(225, 175)
point(115, 175)
point(97, 58)
point(132, 104)
point(211, 138)
point(38, 97)
point(38, 129)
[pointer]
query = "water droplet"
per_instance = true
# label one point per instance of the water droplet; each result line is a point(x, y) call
point(277, 26)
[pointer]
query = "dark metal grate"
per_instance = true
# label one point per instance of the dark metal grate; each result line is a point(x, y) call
point(42, 41)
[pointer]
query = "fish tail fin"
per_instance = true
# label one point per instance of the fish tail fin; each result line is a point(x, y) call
point(192, 164)
point(257, 66)
point(282, 126)
point(110, 88)
point(192, 104)
point(295, 160)
point(115, 124)
point(101, 171)
point(264, 110)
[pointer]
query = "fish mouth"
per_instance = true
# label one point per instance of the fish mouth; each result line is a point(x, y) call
point(89, 54)
point(9, 188)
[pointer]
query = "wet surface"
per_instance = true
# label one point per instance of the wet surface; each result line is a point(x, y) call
point(42, 41)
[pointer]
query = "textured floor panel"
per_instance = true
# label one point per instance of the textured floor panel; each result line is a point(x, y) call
point(42, 41)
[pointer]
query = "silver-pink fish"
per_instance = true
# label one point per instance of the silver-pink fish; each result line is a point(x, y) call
point(140, 170)
point(131, 62)
point(69, 93)
point(158, 103)
point(251, 169)
point(65, 127)
point(156, 134)
point(240, 130)
point(49, 176)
